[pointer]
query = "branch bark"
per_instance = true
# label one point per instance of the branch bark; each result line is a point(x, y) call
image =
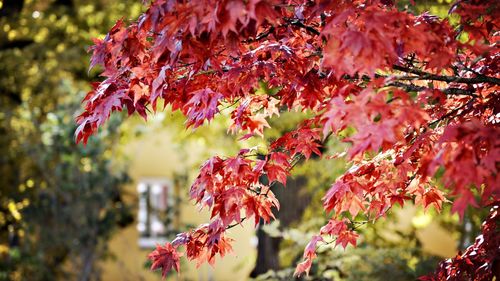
point(422, 75)
point(447, 91)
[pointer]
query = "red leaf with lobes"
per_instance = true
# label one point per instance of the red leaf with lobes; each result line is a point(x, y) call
point(433, 196)
point(228, 205)
point(347, 237)
point(99, 53)
point(304, 141)
point(302, 267)
point(104, 99)
point(165, 258)
point(276, 167)
point(310, 250)
point(202, 106)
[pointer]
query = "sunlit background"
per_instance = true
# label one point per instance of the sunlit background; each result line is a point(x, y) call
point(74, 212)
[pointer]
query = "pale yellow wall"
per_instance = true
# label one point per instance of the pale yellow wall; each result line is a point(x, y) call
point(434, 238)
point(154, 155)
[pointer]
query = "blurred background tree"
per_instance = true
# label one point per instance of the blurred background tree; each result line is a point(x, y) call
point(59, 202)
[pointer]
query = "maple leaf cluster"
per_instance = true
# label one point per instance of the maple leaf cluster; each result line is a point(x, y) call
point(412, 94)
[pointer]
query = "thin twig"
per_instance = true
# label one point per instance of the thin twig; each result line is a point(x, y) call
point(233, 225)
point(452, 113)
point(298, 23)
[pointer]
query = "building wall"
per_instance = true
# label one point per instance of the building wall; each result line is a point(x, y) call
point(434, 238)
point(155, 156)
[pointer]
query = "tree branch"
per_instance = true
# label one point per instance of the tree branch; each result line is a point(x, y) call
point(233, 225)
point(300, 24)
point(453, 112)
point(16, 44)
point(448, 91)
point(260, 36)
point(422, 75)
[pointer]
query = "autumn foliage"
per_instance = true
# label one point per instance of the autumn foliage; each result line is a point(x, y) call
point(416, 96)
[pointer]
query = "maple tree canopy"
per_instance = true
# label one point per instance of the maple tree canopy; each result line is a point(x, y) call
point(412, 93)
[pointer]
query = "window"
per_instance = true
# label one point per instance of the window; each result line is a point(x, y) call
point(156, 211)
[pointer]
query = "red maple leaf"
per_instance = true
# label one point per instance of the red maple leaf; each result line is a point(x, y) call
point(201, 106)
point(165, 258)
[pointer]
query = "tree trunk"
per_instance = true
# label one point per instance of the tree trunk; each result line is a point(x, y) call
point(87, 264)
point(268, 247)
point(11, 8)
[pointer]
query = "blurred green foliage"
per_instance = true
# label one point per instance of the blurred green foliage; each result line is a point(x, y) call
point(363, 264)
point(376, 258)
point(59, 202)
